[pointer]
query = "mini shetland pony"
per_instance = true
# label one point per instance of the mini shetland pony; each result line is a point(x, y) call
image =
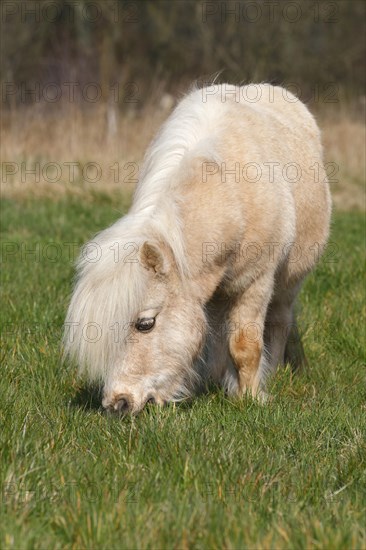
point(198, 281)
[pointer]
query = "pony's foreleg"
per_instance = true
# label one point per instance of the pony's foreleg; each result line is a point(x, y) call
point(246, 340)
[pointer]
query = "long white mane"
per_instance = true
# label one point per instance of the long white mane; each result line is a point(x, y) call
point(109, 290)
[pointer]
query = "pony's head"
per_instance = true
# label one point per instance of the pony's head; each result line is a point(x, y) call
point(134, 324)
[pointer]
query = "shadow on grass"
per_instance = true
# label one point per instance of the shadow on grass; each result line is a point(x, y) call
point(88, 398)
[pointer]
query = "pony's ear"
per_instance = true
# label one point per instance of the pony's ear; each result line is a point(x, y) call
point(152, 257)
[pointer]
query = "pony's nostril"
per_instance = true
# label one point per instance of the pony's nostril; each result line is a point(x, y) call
point(151, 400)
point(122, 405)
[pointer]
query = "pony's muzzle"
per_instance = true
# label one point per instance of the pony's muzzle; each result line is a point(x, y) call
point(124, 403)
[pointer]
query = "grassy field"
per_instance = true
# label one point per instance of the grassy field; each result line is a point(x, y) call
point(212, 473)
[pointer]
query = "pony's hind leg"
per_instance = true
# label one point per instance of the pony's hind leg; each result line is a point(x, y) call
point(246, 338)
point(219, 367)
point(282, 339)
point(294, 350)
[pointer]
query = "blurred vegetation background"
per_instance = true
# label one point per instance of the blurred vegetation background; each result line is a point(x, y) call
point(302, 41)
point(93, 80)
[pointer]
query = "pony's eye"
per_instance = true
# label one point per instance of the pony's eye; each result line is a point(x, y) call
point(145, 324)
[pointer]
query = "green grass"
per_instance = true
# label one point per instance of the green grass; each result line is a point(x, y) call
point(212, 473)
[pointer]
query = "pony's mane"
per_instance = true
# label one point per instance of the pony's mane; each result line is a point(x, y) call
point(109, 290)
point(186, 134)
